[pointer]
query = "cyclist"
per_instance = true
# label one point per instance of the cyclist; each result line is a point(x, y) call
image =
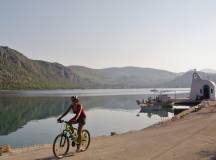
point(79, 118)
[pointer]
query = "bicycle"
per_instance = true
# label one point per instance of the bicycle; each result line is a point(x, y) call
point(61, 143)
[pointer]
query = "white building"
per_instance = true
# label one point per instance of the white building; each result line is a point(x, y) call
point(202, 89)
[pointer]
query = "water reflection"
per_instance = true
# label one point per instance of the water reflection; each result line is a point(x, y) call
point(32, 120)
point(15, 112)
point(160, 112)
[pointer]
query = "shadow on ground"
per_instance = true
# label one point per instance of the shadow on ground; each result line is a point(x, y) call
point(208, 154)
point(47, 158)
point(54, 158)
point(210, 112)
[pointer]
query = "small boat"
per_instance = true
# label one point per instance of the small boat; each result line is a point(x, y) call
point(160, 101)
point(154, 90)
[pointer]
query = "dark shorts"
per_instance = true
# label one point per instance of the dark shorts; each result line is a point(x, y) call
point(81, 121)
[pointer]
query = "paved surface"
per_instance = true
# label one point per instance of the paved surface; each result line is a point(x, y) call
point(190, 138)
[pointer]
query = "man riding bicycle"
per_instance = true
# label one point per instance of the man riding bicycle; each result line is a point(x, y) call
point(80, 118)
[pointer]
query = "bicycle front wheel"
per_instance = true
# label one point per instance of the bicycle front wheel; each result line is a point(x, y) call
point(85, 139)
point(60, 146)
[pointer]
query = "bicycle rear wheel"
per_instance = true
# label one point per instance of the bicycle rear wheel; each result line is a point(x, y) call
point(60, 146)
point(85, 139)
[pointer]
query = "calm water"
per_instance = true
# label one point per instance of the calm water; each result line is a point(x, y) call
point(29, 117)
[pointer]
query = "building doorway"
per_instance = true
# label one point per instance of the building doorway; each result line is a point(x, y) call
point(206, 92)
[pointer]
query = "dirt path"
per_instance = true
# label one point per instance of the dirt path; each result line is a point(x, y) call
point(190, 138)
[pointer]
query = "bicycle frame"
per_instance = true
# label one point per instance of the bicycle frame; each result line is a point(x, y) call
point(68, 128)
point(69, 131)
point(67, 136)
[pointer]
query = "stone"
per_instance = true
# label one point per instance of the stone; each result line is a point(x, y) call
point(4, 149)
point(113, 133)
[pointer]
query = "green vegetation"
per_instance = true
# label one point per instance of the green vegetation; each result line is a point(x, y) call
point(19, 72)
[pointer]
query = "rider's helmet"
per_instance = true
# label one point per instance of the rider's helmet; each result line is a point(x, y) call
point(75, 98)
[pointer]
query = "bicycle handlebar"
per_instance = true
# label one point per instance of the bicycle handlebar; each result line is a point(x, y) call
point(62, 121)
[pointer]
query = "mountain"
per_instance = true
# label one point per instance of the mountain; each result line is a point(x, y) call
point(19, 72)
point(125, 77)
point(208, 70)
point(184, 81)
point(135, 77)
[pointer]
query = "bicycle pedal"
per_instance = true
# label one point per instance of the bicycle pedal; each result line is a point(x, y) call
point(73, 144)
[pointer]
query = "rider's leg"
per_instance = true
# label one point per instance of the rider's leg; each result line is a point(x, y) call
point(80, 128)
point(71, 121)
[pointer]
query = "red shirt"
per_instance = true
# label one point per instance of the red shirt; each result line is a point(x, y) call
point(79, 111)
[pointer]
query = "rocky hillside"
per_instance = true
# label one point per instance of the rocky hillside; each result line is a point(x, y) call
point(126, 77)
point(19, 72)
point(184, 80)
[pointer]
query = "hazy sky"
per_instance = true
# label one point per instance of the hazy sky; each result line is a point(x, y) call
point(175, 35)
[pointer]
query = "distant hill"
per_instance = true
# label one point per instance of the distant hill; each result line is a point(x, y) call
point(208, 70)
point(185, 80)
point(125, 77)
point(19, 72)
point(135, 77)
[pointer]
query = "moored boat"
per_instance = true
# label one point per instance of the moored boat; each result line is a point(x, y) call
point(160, 101)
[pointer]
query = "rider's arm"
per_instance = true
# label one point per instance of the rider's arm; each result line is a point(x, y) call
point(78, 113)
point(66, 112)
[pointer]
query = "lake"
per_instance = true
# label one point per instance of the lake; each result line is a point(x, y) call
point(29, 117)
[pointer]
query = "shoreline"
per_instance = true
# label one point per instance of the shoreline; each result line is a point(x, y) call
point(186, 138)
point(84, 92)
point(36, 146)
